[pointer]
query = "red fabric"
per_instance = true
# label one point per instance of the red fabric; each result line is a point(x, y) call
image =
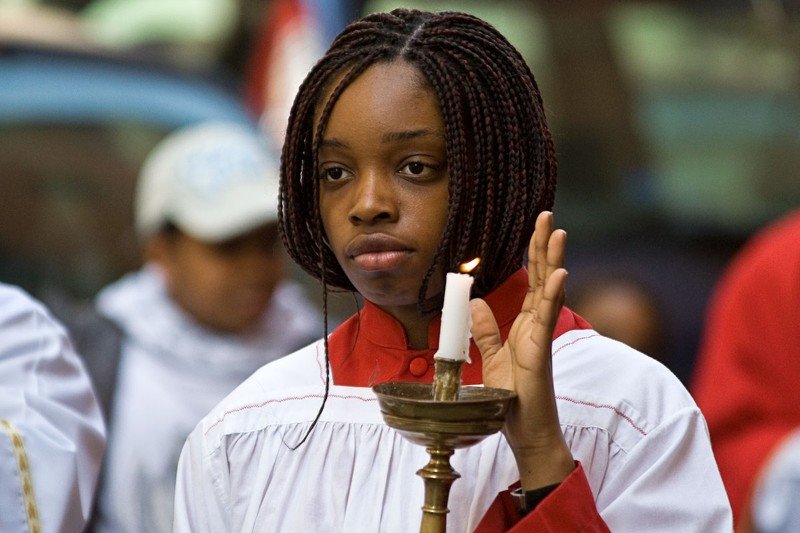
point(746, 382)
point(570, 507)
point(371, 347)
point(281, 15)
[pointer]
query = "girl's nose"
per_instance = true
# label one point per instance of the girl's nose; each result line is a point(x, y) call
point(374, 200)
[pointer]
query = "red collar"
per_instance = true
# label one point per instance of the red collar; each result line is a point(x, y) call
point(370, 347)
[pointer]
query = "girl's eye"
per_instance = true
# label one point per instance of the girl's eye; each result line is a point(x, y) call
point(333, 173)
point(414, 168)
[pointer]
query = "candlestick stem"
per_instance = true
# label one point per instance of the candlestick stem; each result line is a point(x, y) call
point(446, 380)
point(438, 475)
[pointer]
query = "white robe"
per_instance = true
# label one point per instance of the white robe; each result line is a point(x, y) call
point(641, 439)
point(48, 407)
point(172, 372)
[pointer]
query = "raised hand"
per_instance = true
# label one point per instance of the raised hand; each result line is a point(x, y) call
point(523, 363)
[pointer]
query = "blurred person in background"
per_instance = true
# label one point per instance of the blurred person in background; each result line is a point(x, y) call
point(747, 375)
point(209, 307)
point(51, 429)
point(624, 309)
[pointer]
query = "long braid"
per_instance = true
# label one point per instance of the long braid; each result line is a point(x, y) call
point(456, 165)
point(508, 130)
point(495, 138)
point(500, 155)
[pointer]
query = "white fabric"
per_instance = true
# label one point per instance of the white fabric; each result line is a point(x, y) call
point(46, 394)
point(172, 372)
point(639, 435)
point(776, 501)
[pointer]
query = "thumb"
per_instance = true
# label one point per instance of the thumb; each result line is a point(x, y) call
point(484, 329)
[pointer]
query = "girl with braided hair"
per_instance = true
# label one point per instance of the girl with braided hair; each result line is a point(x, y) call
point(417, 142)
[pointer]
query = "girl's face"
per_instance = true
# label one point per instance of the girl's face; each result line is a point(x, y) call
point(384, 183)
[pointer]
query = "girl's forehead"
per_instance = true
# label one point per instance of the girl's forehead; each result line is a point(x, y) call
point(395, 70)
point(385, 106)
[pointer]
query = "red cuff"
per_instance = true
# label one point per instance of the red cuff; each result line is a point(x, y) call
point(570, 507)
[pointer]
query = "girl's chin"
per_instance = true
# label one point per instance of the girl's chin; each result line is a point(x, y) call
point(409, 299)
point(387, 289)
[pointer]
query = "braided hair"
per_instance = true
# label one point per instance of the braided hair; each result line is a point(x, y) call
point(500, 156)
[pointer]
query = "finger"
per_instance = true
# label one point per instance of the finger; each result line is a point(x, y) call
point(549, 308)
point(541, 237)
point(556, 248)
point(484, 329)
point(537, 258)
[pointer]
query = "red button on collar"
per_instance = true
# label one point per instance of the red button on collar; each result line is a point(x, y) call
point(418, 366)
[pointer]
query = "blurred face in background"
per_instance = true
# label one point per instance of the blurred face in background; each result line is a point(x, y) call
point(224, 286)
point(624, 311)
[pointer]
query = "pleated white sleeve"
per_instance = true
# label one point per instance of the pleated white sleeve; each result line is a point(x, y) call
point(51, 430)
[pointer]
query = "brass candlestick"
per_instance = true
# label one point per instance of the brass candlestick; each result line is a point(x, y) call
point(447, 380)
point(441, 426)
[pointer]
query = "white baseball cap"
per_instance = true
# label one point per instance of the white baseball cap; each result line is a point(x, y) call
point(214, 181)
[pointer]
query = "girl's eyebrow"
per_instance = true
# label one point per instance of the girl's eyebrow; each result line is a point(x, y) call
point(390, 137)
point(406, 135)
point(333, 143)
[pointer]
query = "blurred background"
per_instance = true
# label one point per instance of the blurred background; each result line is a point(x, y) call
point(676, 125)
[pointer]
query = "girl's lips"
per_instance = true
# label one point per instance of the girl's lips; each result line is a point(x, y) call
point(372, 261)
point(377, 251)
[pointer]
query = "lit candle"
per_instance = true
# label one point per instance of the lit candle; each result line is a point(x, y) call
point(454, 334)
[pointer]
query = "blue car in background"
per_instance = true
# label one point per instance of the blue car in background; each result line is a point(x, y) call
point(75, 127)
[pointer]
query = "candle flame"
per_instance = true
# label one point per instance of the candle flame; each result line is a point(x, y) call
point(469, 266)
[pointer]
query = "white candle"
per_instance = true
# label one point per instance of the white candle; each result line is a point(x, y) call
point(454, 335)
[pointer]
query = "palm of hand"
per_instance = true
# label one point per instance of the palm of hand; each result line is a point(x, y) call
point(523, 365)
point(523, 362)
